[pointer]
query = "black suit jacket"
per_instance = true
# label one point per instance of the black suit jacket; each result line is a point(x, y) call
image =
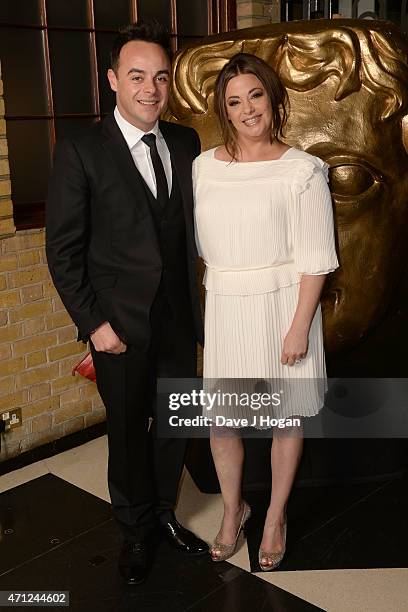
point(102, 244)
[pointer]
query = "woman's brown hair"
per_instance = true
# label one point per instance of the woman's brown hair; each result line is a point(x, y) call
point(245, 63)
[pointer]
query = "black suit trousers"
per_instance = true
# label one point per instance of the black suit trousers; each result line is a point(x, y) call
point(144, 470)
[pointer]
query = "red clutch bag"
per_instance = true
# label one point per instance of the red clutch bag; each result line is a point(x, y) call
point(85, 368)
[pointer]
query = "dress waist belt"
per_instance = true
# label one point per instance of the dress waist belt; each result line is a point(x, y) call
point(250, 281)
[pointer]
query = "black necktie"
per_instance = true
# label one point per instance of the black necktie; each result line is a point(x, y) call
point(161, 181)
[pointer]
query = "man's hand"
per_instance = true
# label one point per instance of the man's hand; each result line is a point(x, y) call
point(105, 340)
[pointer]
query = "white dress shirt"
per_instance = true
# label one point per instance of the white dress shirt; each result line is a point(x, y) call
point(141, 152)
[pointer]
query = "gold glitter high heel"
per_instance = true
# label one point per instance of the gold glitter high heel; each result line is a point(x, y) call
point(273, 560)
point(227, 550)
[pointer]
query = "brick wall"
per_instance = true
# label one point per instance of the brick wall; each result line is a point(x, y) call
point(6, 207)
point(257, 12)
point(37, 338)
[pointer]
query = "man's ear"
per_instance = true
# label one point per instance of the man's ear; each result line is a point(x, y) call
point(112, 80)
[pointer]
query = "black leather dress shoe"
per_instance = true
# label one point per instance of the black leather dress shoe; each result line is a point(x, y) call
point(133, 562)
point(183, 539)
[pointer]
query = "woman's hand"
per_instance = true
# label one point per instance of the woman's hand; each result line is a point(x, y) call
point(294, 347)
point(296, 343)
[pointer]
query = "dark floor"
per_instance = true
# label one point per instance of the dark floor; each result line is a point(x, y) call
point(56, 536)
point(339, 527)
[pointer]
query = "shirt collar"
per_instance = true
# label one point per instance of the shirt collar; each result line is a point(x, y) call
point(132, 134)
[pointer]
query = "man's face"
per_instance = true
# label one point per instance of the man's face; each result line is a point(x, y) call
point(141, 83)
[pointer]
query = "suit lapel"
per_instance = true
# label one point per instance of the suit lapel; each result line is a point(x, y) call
point(116, 147)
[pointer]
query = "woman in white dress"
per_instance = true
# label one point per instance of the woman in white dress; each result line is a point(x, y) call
point(264, 226)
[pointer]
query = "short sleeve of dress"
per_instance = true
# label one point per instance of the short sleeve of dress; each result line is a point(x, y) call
point(313, 230)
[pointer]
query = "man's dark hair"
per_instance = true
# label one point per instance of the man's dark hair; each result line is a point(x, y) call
point(148, 30)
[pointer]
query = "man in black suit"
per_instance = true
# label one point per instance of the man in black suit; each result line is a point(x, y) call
point(120, 247)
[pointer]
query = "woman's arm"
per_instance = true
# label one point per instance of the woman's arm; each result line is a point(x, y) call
point(315, 257)
point(295, 344)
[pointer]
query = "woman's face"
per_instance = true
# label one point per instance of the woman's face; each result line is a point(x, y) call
point(248, 107)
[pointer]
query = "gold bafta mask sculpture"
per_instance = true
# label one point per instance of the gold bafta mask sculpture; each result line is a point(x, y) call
point(348, 87)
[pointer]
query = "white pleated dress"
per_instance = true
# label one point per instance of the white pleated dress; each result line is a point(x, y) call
point(259, 227)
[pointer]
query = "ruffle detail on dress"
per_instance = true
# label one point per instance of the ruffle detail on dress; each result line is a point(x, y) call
point(306, 170)
point(294, 171)
point(250, 281)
